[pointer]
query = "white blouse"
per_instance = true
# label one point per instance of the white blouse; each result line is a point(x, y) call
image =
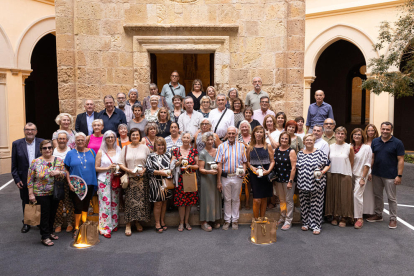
point(106, 162)
point(361, 159)
point(339, 156)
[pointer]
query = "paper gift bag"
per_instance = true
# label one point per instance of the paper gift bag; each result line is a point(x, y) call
point(263, 231)
point(32, 214)
point(92, 234)
point(189, 182)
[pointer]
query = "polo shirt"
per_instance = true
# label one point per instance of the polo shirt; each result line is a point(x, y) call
point(318, 114)
point(259, 115)
point(112, 123)
point(385, 157)
point(225, 123)
point(253, 99)
point(331, 140)
point(231, 156)
point(168, 95)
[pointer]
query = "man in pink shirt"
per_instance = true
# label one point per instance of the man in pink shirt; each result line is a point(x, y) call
point(264, 110)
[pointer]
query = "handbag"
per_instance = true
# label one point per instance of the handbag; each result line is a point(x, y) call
point(59, 187)
point(263, 230)
point(272, 175)
point(189, 182)
point(32, 214)
point(115, 179)
point(125, 178)
point(167, 183)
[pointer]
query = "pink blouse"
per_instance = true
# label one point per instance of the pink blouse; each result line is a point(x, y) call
point(95, 143)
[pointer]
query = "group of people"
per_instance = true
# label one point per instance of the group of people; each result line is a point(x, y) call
point(230, 144)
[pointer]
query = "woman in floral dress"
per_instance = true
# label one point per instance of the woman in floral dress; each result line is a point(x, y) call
point(183, 200)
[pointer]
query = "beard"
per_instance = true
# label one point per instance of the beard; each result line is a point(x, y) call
point(121, 104)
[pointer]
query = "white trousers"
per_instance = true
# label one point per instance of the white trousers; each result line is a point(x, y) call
point(358, 197)
point(231, 193)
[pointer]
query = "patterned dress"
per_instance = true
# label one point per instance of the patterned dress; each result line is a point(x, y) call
point(157, 162)
point(180, 197)
point(71, 141)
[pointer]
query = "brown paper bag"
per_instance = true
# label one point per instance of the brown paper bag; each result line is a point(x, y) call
point(263, 231)
point(92, 234)
point(189, 182)
point(81, 238)
point(32, 214)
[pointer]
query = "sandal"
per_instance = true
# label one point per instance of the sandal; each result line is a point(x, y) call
point(58, 229)
point(304, 228)
point(217, 225)
point(53, 237)
point(181, 228)
point(206, 227)
point(164, 227)
point(286, 226)
point(188, 227)
point(334, 222)
point(139, 226)
point(108, 236)
point(316, 232)
point(342, 223)
point(128, 231)
point(158, 230)
point(115, 229)
point(47, 242)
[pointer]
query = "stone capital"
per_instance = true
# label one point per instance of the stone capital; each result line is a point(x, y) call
point(309, 81)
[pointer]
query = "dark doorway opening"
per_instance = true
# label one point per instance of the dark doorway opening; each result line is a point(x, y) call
point(339, 72)
point(189, 66)
point(41, 88)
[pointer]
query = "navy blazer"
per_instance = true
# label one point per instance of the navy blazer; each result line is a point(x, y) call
point(81, 124)
point(20, 159)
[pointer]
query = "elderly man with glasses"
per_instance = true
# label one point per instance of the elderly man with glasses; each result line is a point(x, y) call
point(172, 89)
point(328, 134)
point(264, 110)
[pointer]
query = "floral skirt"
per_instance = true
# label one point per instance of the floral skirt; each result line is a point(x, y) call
point(108, 206)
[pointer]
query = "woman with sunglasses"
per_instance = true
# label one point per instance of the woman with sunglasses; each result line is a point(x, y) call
point(40, 181)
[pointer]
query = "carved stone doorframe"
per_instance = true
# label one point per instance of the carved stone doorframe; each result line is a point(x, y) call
point(144, 45)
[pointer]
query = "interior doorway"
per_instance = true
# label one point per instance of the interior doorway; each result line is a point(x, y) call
point(41, 88)
point(339, 72)
point(189, 66)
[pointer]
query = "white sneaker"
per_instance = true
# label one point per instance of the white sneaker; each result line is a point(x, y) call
point(235, 225)
point(226, 226)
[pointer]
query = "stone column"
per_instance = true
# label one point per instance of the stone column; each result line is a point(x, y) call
point(4, 144)
point(307, 94)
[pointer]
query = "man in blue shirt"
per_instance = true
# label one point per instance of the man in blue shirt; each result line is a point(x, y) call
point(111, 116)
point(387, 168)
point(318, 112)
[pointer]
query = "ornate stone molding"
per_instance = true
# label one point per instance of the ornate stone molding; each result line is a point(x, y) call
point(309, 81)
point(228, 28)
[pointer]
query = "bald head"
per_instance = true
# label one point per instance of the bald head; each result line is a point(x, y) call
point(319, 96)
point(89, 106)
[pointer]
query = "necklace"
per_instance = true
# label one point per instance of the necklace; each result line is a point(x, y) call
point(163, 128)
point(80, 159)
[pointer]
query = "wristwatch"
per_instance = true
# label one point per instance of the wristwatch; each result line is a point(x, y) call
point(400, 175)
point(290, 181)
point(363, 178)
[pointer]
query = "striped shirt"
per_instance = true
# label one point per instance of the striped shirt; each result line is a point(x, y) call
point(231, 156)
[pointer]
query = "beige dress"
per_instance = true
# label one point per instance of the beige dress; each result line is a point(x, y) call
point(137, 193)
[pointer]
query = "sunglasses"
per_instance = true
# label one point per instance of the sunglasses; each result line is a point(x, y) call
point(47, 148)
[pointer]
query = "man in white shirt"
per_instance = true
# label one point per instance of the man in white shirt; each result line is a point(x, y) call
point(264, 110)
point(190, 120)
point(320, 143)
point(221, 117)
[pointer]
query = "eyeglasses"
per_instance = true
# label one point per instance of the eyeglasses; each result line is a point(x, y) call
point(110, 138)
point(175, 76)
point(329, 124)
point(204, 124)
point(264, 102)
point(47, 148)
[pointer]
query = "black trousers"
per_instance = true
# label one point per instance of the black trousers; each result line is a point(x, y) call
point(82, 205)
point(48, 211)
point(24, 196)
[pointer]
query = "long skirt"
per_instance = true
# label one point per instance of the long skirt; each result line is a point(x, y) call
point(65, 206)
point(108, 206)
point(339, 196)
point(137, 200)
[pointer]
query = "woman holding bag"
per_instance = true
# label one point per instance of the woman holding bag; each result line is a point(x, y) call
point(158, 169)
point(184, 200)
point(136, 193)
point(40, 181)
point(108, 184)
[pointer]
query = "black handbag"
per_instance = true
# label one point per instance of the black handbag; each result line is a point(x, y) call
point(272, 175)
point(59, 187)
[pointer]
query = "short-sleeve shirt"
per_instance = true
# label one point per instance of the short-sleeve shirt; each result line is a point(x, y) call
point(191, 124)
point(39, 177)
point(76, 163)
point(231, 156)
point(253, 99)
point(225, 123)
point(111, 123)
point(166, 92)
point(259, 115)
point(385, 157)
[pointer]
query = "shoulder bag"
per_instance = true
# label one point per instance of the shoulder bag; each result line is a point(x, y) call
point(167, 183)
point(272, 175)
point(59, 187)
point(222, 115)
point(115, 179)
point(125, 178)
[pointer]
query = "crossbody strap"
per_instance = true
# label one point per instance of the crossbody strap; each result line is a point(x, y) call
point(258, 156)
point(172, 90)
point(109, 157)
point(222, 115)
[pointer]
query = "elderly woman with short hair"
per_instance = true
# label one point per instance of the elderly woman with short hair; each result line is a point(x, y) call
point(205, 106)
point(138, 121)
point(311, 189)
point(232, 94)
point(177, 101)
point(81, 162)
point(205, 126)
point(65, 204)
point(151, 131)
point(153, 88)
point(158, 165)
point(163, 122)
point(210, 196)
point(133, 97)
point(40, 182)
point(65, 121)
point(136, 194)
point(184, 200)
point(151, 114)
point(94, 140)
point(106, 160)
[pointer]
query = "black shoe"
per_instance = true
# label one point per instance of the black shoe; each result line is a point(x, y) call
point(25, 228)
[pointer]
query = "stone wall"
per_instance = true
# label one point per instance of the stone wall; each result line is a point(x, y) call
point(104, 45)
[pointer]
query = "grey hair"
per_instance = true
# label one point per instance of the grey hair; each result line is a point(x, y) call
point(323, 129)
point(155, 96)
point(221, 95)
point(257, 78)
point(122, 125)
point(232, 89)
point(187, 98)
point(245, 122)
point(104, 146)
point(30, 124)
point(330, 119)
point(58, 119)
point(205, 98)
point(80, 134)
point(131, 91)
point(235, 128)
point(150, 125)
point(153, 85)
point(121, 93)
point(60, 131)
point(206, 119)
point(207, 135)
point(187, 132)
point(98, 121)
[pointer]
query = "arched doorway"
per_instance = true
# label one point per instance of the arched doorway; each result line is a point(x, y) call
point(41, 87)
point(339, 72)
